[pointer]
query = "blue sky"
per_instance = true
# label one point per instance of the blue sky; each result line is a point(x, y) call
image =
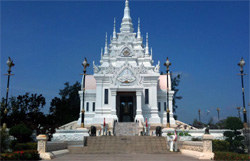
point(204, 40)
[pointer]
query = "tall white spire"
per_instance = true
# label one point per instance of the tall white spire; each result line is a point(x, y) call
point(101, 52)
point(138, 30)
point(126, 25)
point(146, 48)
point(106, 45)
point(114, 31)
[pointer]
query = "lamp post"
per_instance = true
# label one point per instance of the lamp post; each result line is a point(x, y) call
point(85, 65)
point(83, 115)
point(167, 64)
point(10, 64)
point(238, 108)
point(199, 112)
point(241, 64)
point(218, 110)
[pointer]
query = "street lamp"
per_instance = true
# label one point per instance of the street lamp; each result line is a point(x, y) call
point(239, 108)
point(10, 64)
point(241, 64)
point(218, 110)
point(167, 64)
point(85, 65)
point(199, 112)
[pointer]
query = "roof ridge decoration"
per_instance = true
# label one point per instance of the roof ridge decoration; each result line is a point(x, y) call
point(96, 68)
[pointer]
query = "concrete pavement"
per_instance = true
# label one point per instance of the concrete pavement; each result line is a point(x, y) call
point(125, 157)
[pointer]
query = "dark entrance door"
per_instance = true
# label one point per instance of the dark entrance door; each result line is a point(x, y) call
point(126, 107)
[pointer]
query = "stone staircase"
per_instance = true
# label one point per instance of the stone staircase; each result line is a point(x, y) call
point(121, 145)
point(126, 129)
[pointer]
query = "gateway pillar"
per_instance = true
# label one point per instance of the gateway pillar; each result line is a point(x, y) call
point(113, 101)
point(139, 116)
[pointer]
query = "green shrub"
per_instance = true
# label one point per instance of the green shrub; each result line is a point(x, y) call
point(21, 155)
point(21, 132)
point(196, 139)
point(25, 146)
point(220, 145)
point(184, 134)
point(230, 156)
point(170, 133)
point(234, 137)
point(13, 144)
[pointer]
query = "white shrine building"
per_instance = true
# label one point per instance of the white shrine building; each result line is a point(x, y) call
point(126, 86)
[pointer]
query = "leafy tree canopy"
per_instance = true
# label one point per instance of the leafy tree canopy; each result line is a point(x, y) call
point(198, 124)
point(175, 83)
point(21, 132)
point(24, 109)
point(66, 108)
point(233, 123)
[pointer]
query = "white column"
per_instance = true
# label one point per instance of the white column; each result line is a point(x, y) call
point(164, 118)
point(153, 103)
point(99, 99)
point(98, 118)
point(113, 104)
point(171, 114)
point(139, 116)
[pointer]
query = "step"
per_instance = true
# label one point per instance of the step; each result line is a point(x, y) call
point(126, 129)
point(122, 145)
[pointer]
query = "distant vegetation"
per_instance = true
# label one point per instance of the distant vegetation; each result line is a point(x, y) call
point(24, 116)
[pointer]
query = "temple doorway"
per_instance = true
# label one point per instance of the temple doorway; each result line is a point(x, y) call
point(126, 106)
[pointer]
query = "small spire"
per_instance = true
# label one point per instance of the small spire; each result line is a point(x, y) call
point(126, 3)
point(146, 48)
point(101, 52)
point(138, 31)
point(151, 52)
point(106, 45)
point(114, 32)
point(126, 25)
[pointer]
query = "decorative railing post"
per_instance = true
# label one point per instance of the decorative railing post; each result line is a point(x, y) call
point(42, 147)
point(207, 146)
point(42, 143)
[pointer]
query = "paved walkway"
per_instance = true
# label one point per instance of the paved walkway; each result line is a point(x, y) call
point(125, 157)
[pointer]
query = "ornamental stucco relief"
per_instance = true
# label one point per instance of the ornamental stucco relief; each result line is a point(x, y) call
point(127, 74)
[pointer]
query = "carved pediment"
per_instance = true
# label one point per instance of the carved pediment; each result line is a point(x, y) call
point(111, 69)
point(126, 76)
point(142, 69)
point(126, 51)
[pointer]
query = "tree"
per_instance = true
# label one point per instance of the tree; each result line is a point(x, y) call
point(175, 83)
point(21, 132)
point(198, 124)
point(25, 109)
point(211, 123)
point(234, 137)
point(221, 124)
point(66, 108)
